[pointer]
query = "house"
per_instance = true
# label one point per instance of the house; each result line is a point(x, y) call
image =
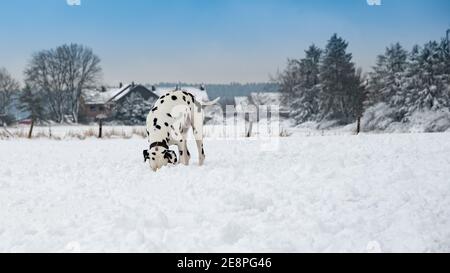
point(102, 102)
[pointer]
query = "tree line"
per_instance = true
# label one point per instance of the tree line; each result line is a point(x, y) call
point(325, 84)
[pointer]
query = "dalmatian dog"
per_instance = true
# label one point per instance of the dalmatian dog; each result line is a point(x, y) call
point(168, 123)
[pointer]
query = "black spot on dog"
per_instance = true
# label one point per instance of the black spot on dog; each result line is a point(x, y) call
point(148, 133)
point(184, 98)
point(155, 120)
point(168, 134)
point(162, 97)
point(181, 153)
point(174, 97)
point(181, 140)
point(189, 102)
point(154, 109)
point(162, 101)
point(203, 151)
point(153, 158)
point(167, 94)
point(169, 115)
point(167, 124)
point(189, 154)
point(158, 127)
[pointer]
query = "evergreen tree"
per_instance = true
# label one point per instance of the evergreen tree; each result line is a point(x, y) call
point(427, 79)
point(338, 81)
point(305, 103)
point(386, 84)
point(444, 55)
point(432, 95)
point(31, 103)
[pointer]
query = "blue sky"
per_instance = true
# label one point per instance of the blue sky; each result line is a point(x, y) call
point(213, 41)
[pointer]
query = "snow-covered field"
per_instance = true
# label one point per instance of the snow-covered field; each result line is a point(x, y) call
point(344, 193)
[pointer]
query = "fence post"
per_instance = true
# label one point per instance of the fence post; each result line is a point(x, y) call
point(100, 119)
point(358, 125)
point(31, 128)
point(100, 128)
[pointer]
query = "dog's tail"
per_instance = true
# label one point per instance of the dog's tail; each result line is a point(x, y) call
point(210, 103)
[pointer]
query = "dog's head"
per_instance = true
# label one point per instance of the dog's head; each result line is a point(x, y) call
point(161, 156)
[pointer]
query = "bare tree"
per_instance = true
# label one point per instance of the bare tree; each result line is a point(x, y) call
point(45, 74)
point(7, 88)
point(62, 74)
point(83, 72)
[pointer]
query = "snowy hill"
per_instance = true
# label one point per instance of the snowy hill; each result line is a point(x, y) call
point(327, 193)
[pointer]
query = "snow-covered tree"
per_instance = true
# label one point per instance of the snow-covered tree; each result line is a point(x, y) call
point(386, 80)
point(133, 110)
point(305, 104)
point(340, 86)
point(412, 82)
point(404, 101)
point(427, 80)
point(387, 74)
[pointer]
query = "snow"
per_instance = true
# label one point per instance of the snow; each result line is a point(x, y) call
point(266, 98)
point(381, 118)
point(339, 193)
point(57, 131)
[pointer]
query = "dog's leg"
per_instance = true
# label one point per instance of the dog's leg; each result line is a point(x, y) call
point(201, 152)
point(183, 150)
point(186, 154)
point(199, 141)
point(197, 128)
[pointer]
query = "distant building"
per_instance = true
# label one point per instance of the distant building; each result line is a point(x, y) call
point(103, 102)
